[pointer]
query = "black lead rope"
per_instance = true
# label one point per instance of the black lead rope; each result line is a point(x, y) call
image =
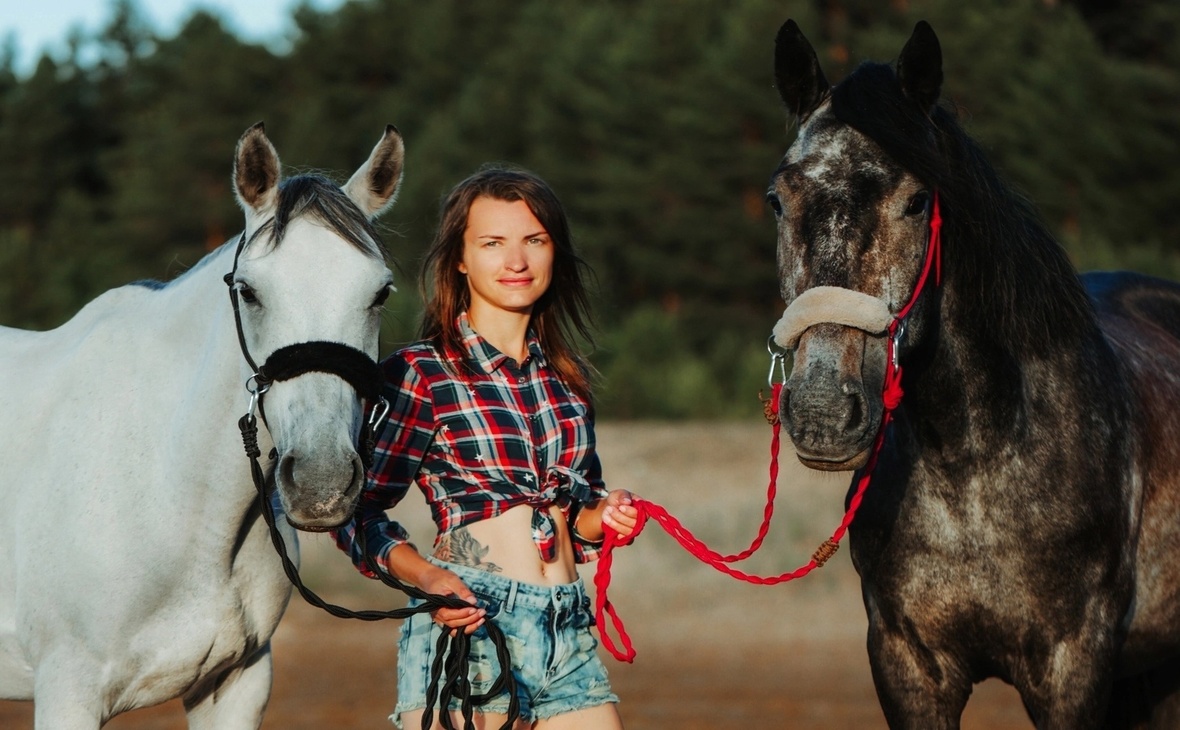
point(452, 652)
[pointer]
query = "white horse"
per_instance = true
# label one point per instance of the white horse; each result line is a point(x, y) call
point(134, 566)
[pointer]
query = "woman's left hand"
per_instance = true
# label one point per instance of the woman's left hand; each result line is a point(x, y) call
point(619, 513)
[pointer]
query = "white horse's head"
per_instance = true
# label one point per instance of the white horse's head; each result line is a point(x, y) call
point(312, 270)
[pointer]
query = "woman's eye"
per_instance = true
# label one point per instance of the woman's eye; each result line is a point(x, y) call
point(775, 205)
point(918, 203)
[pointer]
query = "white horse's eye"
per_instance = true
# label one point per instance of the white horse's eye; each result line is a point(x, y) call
point(247, 294)
point(382, 296)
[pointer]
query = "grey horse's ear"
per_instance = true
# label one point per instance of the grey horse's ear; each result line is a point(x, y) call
point(919, 68)
point(256, 171)
point(373, 187)
point(801, 82)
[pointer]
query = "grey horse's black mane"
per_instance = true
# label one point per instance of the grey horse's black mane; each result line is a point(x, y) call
point(1024, 291)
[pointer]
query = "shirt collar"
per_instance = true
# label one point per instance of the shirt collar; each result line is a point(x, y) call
point(487, 357)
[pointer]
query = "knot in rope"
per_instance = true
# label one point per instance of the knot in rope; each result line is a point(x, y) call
point(825, 552)
point(248, 425)
point(770, 405)
point(891, 397)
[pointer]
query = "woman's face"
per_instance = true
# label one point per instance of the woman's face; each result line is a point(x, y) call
point(507, 256)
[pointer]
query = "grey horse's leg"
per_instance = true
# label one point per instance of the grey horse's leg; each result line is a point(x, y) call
point(918, 689)
point(1068, 686)
point(1147, 701)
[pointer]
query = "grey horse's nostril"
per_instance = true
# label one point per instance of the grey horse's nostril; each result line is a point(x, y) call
point(856, 410)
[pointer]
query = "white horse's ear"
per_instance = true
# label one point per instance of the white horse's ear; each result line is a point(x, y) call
point(374, 186)
point(256, 172)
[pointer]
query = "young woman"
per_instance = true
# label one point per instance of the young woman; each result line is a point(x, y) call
point(490, 415)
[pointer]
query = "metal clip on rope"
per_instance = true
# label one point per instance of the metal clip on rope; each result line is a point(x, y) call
point(778, 356)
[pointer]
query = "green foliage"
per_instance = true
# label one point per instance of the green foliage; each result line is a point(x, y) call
point(650, 369)
point(655, 120)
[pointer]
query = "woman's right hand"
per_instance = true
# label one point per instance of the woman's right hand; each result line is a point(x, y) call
point(443, 582)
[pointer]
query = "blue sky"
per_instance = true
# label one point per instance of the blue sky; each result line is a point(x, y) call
point(44, 24)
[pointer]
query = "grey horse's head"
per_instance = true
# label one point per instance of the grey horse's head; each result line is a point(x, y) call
point(850, 218)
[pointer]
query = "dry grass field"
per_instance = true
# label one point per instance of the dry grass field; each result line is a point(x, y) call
point(712, 652)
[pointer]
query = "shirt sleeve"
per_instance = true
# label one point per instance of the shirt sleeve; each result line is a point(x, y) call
point(587, 551)
point(405, 436)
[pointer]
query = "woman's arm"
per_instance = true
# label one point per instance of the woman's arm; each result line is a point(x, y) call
point(405, 564)
point(401, 445)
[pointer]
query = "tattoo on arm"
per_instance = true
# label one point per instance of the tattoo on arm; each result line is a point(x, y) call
point(460, 548)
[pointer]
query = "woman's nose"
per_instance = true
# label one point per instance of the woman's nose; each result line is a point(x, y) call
point(516, 260)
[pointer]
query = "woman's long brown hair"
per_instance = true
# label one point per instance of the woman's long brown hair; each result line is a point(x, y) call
point(559, 317)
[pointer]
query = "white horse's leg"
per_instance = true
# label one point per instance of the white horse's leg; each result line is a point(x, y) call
point(51, 715)
point(63, 699)
point(238, 700)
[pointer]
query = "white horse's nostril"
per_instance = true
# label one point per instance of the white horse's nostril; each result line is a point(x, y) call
point(358, 476)
point(287, 469)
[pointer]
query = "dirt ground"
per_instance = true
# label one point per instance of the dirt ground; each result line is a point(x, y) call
point(712, 652)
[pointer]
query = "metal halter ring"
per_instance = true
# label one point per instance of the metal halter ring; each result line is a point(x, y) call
point(256, 392)
point(777, 355)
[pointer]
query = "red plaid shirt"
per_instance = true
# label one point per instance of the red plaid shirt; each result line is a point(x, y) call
point(478, 443)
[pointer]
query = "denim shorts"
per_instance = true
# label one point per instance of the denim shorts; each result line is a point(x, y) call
point(548, 631)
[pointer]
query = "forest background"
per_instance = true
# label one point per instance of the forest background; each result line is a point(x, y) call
point(655, 120)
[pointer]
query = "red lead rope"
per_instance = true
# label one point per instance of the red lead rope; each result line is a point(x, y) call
point(891, 398)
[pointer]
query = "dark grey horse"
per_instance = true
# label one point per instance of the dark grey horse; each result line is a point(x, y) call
point(1023, 521)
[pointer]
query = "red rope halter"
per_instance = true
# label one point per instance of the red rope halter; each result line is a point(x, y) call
point(891, 398)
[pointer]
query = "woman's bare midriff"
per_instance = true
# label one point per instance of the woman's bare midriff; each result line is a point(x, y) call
point(504, 545)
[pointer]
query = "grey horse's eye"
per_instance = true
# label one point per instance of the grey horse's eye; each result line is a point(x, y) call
point(775, 204)
point(247, 294)
point(918, 203)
